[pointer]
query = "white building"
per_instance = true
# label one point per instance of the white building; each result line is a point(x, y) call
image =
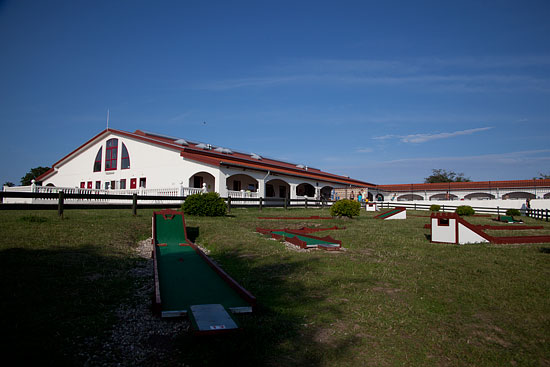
point(120, 161)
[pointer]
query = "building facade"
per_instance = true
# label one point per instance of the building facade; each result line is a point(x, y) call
point(116, 160)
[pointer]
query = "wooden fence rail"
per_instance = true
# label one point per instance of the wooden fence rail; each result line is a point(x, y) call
point(62, 201)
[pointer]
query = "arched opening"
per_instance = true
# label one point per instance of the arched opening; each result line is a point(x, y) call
point(97, 162)
point(479, 196)
point(125, 158)
point(326, 192)
point(519, 195)
point(277, 189)
point(409, 197)
point(305, 189)
point(200, 178)
point(379, 197)
point(443, 196)
point(241, 182)
point(546, 196)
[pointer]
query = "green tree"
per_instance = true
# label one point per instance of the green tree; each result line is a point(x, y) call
point(441, 175)
point(33, 174)
point(541, 176)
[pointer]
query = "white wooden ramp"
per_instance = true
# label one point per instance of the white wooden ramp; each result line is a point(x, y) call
point(211, 319)
point(451, 228)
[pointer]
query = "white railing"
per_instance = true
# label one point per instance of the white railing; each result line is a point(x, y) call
point(242, 194)
point(98, 193)
point(191, 191)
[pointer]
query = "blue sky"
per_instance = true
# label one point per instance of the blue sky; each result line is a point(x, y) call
point(378, 91)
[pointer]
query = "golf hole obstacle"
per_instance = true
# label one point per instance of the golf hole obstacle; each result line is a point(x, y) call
point(371, 207)
point(451, 228)
point(297, 218)
point(395, 213)
point(187, 282)
point(302, 239)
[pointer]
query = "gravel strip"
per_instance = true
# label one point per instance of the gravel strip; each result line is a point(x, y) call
point(139, 337)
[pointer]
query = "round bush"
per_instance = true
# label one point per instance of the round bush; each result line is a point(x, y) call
point(465, 210)
point(205, 205)
point(435, 207)
point(512, 212)
point(345, 208)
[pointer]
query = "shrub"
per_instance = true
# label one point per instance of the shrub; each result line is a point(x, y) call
point(345, 208)
point(205, 205)
point(464, 210)
point(435, 207)
point(512, 212)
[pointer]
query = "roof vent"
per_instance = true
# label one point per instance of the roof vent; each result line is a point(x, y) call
point(300, 166)
point(223, 150)
point(255, 156)
point(204, 146)
point(181, 142)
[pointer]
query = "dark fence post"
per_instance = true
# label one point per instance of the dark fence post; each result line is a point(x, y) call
point(306, 201)
point(229, 204)
point(60, 204)
point(261, 200)
point(286, 204)
point(443, 208)
point(547, 215)
point(134, 204)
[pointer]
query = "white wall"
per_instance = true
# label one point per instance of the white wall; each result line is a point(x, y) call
point(161, 167)
point(516, 204)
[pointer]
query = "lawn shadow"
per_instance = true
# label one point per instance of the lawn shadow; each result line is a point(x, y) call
point(51, 299)
point(192, 233)
point(277, 332)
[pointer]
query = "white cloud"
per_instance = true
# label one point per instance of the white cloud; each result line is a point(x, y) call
point(422, 138)
point(510, 157)
point(364, 150)
point(452, 74)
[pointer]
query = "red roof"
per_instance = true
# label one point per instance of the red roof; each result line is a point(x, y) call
point(196, 152)
point(466, 185)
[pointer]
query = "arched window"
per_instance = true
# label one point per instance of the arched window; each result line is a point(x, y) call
point(111, 154)
point(97, 163)
point(125, 164)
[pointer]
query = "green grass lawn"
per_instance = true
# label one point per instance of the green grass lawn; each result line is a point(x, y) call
point(392, 298)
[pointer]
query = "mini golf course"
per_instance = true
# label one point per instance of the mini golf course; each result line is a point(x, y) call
point(451, 228)
point(187, 282)
point(396, 213)
point(302, 240)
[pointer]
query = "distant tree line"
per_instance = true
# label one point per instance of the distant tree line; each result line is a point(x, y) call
point(442, 175)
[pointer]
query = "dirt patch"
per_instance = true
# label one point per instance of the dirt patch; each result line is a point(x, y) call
point(385, 288)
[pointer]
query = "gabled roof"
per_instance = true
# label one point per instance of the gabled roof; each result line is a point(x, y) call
point(218, 156)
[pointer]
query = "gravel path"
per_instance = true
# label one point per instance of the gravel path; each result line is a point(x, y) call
point(139, 337)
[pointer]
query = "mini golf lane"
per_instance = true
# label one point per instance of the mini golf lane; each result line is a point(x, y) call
point(390, 213)
point(185, 277)
point(298, 238)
